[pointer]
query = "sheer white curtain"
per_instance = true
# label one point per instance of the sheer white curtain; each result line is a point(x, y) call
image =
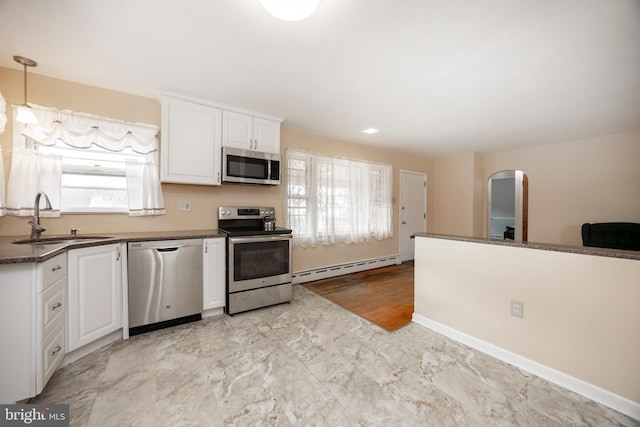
point(81, 131)
point(3, 114)
point(3, 122)
point(3, 203)
point(335, 200)
point(145, 196)
point(32, 172)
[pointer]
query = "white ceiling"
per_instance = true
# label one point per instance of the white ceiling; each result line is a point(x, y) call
point(435, 76)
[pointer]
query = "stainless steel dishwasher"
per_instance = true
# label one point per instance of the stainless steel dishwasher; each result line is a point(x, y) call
point(165, 283)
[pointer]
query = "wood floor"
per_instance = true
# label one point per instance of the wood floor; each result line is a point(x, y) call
point(383, 296)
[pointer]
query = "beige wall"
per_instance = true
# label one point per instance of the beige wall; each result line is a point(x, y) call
point(570, 183)
point(580, 314)
point(592, 180)
point(205, 199)
point(453, 195)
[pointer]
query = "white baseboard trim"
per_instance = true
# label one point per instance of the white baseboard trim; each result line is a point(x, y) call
point(595, 393)
point(304, 276)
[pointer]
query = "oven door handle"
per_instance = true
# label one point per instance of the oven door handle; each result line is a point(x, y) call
point(252, 239)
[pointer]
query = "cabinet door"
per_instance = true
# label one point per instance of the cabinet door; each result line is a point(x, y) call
point(190, 142)
point(214, 273)
point(95, 294)
point(266, 135)
point(237, 130)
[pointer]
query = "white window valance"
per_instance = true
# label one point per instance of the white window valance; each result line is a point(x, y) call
point(81, 130)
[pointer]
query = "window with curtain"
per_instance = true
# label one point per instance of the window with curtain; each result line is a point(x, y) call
point(335, 200)
point(85, 164)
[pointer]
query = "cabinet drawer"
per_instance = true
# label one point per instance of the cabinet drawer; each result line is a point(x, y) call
point(52, 354)
point(52, 270)
point(52, 306)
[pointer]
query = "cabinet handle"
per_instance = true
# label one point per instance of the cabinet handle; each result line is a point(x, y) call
point(58, 305)
point(58, 348)
point(117, 253)
point(56, 268)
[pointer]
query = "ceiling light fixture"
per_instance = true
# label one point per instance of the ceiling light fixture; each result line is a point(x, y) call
point(25, 113)
point(290, 10)
point(369, 131)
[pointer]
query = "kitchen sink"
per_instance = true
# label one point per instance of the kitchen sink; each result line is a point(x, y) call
point(55, 240)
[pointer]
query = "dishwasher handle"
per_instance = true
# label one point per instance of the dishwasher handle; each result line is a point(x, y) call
point(167, 249)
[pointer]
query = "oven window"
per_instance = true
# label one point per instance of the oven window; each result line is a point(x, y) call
point(260, 259)
point(247, 167)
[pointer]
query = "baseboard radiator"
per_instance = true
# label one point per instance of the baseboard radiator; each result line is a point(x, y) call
point(340, 269)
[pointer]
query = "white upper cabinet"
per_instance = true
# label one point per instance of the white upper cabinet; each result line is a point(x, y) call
point(194, 131)
point(190, 143)
point(250, 132)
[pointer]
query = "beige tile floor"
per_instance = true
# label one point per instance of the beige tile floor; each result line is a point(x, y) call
point(308, 363)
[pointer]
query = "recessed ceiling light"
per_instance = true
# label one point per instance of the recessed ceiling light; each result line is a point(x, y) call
point(369, 131)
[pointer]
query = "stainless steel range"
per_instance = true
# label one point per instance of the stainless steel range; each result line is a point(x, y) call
point(258, 258)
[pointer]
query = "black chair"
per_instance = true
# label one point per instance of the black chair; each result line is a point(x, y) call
point(509, 233)
point(613, 235)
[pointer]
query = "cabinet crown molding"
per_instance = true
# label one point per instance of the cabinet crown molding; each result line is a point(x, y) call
point(197, 100)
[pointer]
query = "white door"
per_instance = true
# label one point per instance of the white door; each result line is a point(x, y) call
point(413, 210)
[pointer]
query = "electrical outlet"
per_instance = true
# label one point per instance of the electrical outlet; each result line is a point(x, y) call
point(348, 255)
point(185, 206)
point(517, 308)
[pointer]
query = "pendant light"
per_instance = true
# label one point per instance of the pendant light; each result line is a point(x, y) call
point(290, 10)
point(25, 113)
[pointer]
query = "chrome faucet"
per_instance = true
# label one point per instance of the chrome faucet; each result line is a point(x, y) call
point(36, 227)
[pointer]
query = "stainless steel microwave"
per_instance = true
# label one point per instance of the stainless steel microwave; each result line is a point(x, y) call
point(250, 167)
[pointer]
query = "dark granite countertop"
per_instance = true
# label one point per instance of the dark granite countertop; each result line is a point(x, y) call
point(11, 253)
point(584, 250)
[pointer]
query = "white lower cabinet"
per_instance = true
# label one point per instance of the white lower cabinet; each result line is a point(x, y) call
point(32, 315)
point(213, 266)
point(94, 294)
